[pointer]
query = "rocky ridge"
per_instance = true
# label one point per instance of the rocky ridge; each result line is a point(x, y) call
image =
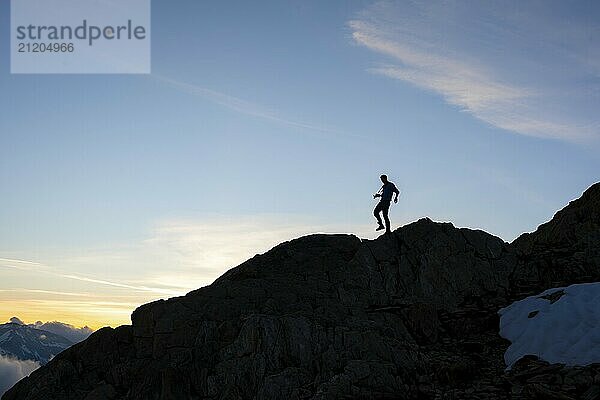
point(411, 315)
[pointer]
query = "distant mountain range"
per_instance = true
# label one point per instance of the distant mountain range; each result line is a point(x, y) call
point(67, 331)
point(26, 343)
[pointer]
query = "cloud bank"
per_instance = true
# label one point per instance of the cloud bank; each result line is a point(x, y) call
point(520, 68)
point(12, 371)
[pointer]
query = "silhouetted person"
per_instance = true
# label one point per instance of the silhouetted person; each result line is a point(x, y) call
point(387, 190)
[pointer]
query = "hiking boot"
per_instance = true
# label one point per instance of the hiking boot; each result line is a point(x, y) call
point(380, 227)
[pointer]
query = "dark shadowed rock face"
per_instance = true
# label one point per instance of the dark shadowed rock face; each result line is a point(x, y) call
point(532, 378)
point(563, 251)
point(410, 315)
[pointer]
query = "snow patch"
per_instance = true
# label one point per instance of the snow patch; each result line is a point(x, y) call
point(560, 325)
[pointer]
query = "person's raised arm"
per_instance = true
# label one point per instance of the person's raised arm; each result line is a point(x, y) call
point(378, 194)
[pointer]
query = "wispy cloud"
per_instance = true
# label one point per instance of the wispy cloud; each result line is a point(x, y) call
point(475, 55)
point(125, 286)
point(23, 265)
point(244, 107)
point(45, 269)
point(41, 291)
point(41, 268)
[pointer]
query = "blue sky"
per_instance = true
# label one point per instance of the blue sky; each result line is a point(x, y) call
point(262, 121)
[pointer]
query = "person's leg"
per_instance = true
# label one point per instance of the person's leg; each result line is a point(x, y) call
point(386, 210)
point(376, 212)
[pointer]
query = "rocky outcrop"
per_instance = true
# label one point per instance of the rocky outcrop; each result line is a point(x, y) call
point(411, 315)
point(532, 378)
point(563, 251)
